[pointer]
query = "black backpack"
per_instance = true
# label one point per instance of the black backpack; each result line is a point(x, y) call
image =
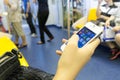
point(10, 69)
point(8, 64)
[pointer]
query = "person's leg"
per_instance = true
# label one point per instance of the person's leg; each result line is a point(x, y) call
point(20, 33)
point(115, 56)
point(46, 14)
point(117, 39)
point(41, 31)
point(16, 42)
point(113, 47)
point(23, 40)
point(30, 23)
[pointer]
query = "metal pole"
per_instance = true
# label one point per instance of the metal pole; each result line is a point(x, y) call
point(68, 16)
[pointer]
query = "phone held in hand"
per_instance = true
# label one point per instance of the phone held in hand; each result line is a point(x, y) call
point(86, 34)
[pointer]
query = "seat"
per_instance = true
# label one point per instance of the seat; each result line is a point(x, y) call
point(7, 45)
point(92, 14)
point(90, 17)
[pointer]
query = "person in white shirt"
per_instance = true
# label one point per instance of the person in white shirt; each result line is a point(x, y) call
point(105, 9)
point(116, 29)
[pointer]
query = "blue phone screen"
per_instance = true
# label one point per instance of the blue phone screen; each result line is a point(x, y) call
point(84, 36)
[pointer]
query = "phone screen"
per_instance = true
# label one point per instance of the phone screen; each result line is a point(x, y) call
point(85, 35)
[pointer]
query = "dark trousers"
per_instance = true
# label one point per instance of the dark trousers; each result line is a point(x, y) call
point(30, 23)
point(42, 18)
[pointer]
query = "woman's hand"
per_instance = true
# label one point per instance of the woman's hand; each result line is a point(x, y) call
point(73, 58)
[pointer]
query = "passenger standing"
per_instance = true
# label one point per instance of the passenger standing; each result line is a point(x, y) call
point(43, 13)
point(15, 19)
point(28, 14)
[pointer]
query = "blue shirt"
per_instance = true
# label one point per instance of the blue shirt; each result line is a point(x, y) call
point(25, 5)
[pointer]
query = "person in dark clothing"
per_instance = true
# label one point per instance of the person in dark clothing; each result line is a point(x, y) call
point(28, 15)
point(43, 13)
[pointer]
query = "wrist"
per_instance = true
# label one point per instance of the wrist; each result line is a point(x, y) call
point(67, 73)
point(64, 75)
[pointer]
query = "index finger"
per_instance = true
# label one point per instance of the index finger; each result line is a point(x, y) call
point(74, 39)
point(64, 40)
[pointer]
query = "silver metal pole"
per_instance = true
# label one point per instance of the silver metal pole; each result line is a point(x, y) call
point(68, 16)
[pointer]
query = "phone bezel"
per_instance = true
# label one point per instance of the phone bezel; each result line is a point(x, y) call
point(92, 27)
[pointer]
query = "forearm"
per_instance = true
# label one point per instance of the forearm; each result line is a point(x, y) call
point(64, 75)
point(98, 12)
point(12, 5)
point(69, 73)
point(104, 17)
point(111, 18)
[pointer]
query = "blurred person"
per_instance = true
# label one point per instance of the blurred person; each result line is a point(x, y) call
point(14, 19)
point(105, 9)
point(116, 29)
point(43, 13)
point(28, 14)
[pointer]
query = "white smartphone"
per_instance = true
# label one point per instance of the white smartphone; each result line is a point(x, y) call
point(86, 34)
